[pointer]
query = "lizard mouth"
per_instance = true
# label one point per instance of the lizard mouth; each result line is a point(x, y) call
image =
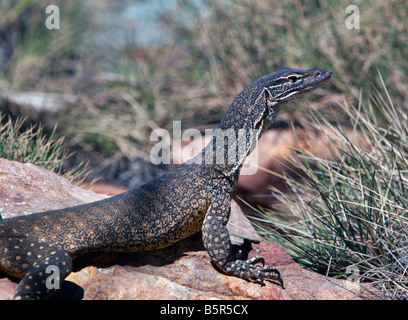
point(310, 82)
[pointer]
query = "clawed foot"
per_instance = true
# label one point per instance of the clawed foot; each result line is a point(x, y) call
point(250, 269)
point(267, 272)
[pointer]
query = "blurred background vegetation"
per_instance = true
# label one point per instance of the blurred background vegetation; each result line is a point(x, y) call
point(115, 70)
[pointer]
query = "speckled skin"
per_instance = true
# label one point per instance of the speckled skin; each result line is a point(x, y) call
point(196, 196)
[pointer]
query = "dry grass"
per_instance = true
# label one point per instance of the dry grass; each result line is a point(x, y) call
point(217, 48)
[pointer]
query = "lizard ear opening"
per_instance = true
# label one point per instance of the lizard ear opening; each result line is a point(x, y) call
point(270, 102)
point(268, 96)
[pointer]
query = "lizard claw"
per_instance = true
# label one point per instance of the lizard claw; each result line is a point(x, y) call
point(266, 271)
point(270, 272)
point(255, 260)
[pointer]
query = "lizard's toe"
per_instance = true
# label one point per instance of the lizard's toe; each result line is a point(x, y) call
point(270, 272)
point(264, 272)
point(255, 260)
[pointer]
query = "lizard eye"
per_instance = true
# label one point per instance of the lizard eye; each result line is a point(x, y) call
point(292, 79)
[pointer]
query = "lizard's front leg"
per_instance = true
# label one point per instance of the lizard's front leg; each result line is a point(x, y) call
point(218, 244)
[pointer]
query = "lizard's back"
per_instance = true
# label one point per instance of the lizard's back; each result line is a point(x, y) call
point(154, 216)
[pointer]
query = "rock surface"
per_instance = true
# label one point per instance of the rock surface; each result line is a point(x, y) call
point(27, 188)
point(182, 271)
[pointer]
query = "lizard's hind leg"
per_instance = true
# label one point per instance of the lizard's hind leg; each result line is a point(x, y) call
point(41, 266)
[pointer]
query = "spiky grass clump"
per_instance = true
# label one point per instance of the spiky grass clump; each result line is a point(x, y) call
point(350, 211)
point(32, 146)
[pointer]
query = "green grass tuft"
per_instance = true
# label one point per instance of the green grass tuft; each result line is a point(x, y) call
point(33, 146)
point(349, 211)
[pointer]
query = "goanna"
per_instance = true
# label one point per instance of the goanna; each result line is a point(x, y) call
point(196, 196)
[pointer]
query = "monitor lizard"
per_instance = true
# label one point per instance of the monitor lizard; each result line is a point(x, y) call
point(195, 196)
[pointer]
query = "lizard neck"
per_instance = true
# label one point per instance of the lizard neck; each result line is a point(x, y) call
point(237, 135)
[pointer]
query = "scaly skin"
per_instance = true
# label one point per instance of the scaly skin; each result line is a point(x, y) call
point(196, 196)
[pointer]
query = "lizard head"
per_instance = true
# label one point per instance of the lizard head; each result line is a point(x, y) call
point(259, 103)
point(288, 84)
